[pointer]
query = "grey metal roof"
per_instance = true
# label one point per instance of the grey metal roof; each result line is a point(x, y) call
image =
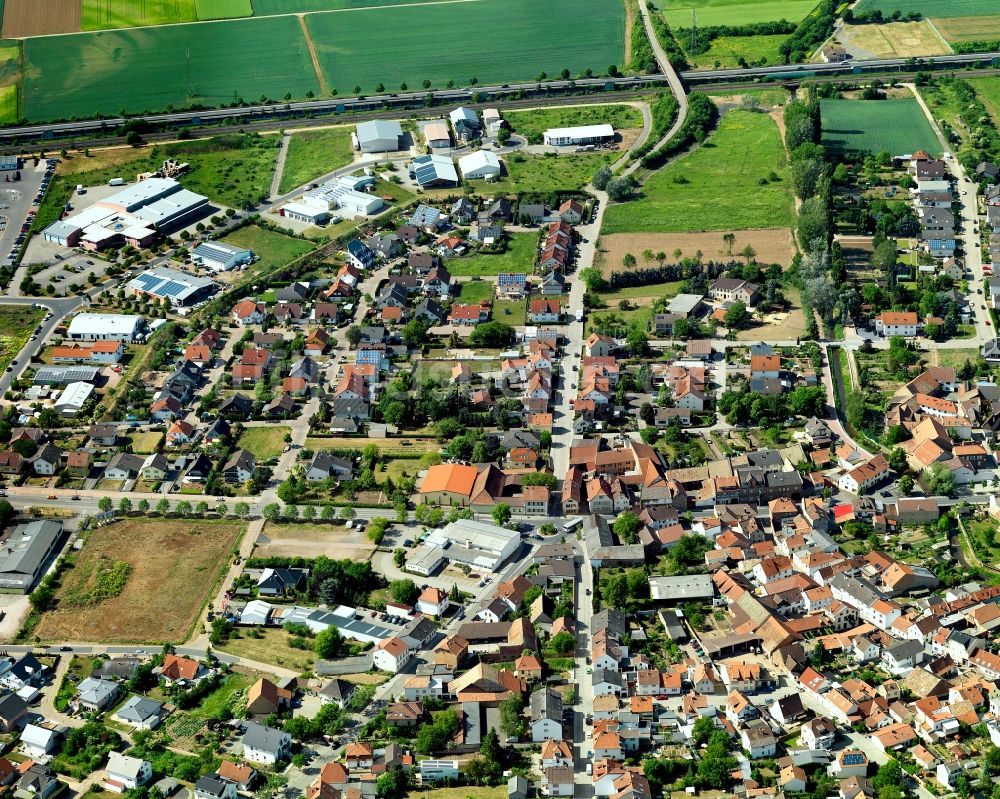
point(265, 739)
point(138, 708)
point(24, 552)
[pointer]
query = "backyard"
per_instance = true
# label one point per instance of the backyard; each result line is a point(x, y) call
point(264, 442)
point(172, 567)
point(519, 257)
point(743, 158)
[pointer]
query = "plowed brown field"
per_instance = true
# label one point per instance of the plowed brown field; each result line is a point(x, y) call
point(34, 18)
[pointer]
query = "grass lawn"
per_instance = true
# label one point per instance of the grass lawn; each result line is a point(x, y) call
point(955, 358)
point(983, 534)
point(264, 442)
point(175, 567)
point(17, 323)
point(732, 12)
point(476, 291)
point(697, 191)
point(532, 124)
point(727, 50)
point(275, 249)
point(397, 468)
point(899, 126)
point(549, 173)
point(213, 704)
point(519, 257)
point(272, 647)
point(313, 153)
point(145, 443)
point(510, 312)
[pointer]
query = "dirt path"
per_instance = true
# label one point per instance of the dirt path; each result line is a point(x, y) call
point(324, 90)
point(628, 34)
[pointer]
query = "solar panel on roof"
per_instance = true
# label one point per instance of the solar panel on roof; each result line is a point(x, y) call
point(172, 288)
point(854, 759)
point(148, 280)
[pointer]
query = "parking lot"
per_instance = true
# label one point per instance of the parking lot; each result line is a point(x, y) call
point(18, 205)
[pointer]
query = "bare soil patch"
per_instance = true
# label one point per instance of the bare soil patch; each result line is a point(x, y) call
point(773, 246)
point(34, 18)
point(175, 565)
point(313, 540)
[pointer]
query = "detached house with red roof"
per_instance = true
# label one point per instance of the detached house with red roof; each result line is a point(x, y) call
point(469, 315)
point(544, 310)
point(249, 312)
point(897, 323)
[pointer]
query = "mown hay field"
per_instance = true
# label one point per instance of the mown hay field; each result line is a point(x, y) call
point(736, 180)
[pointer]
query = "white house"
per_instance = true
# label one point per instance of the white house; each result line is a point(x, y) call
point(37, 742)
point(265, 744)
point(861, 478)
point(897, 323)
point(437, 770)
point(126, 773)
point(391, 654)
point(140, 713)
point(433, 602)
point(757, 739)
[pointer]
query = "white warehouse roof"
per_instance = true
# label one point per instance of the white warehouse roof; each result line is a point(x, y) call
point(481, 159)
point(74, 396)
point(581, 132)
point(96, 325)
point(379, 129)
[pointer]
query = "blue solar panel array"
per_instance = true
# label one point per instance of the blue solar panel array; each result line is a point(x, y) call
point(171, 288)
point(853, 759)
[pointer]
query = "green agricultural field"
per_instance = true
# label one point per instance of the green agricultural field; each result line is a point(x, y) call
point(104, 14)
point(899, 126)
point(263, 8)
point(549, 173)
point(8, 105)
point(223, 9)
point(152, 68)
point(733, 12)
point(314, 153)
point(726, 51)
point(401, 44)
point(930, 8)
point(275, 249)
point(532, 124)
point(520, 257)
point(716, 186)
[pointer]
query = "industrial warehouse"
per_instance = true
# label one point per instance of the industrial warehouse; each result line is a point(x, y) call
point(133, 216)
point(477, 544)
point(164, 283)
point(344, 194)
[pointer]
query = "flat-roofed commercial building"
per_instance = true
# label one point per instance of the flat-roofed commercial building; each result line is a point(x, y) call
point(104, 327)
point(24, 554)
point(584, 134)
